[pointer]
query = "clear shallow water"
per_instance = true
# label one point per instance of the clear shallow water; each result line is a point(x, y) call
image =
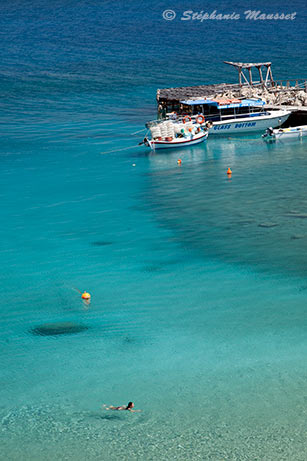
point(199, 287)
point(258, 216)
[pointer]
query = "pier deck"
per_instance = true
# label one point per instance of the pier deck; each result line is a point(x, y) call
point(290, 94)
point(207, 91)
point(293, 108)
point(186, 92)
point(274, 92)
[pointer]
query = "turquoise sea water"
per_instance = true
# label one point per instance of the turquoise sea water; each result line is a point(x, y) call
point(198, 282)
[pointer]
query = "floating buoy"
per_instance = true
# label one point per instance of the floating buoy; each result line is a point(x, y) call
point(86, 296)
point(179, 161)
point(133, 164)
point(229, 171)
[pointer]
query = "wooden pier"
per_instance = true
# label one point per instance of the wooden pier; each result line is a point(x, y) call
point(293, 108)
point(288, 94)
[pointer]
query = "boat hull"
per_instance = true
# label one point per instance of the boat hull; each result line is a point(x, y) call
point(175, 144)
point(250, 124)
point(286, 133)
point(291, 134)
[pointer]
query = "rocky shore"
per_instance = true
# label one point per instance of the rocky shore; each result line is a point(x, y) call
point(272, 96)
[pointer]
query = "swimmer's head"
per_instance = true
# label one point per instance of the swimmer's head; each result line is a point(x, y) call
point(130, 405)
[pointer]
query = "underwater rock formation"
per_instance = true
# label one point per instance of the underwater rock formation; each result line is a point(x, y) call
point(58, 328)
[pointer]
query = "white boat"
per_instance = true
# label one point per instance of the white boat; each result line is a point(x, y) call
point(167, 134)
point(257, 122)
point(234, 116)
point(177, 142)
point(296, 132)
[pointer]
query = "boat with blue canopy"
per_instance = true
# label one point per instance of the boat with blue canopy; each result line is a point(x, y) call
point(232, 116)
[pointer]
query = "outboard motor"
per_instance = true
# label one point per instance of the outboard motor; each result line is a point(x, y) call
point(145, 141)
point(268, 132)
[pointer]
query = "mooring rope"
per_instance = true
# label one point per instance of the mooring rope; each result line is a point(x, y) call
point(119, 150)
point(143, 129)
point(251, 139)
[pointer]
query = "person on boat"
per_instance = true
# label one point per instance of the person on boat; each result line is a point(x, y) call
point(164, 109)
point(160, 108)
point(128, 407)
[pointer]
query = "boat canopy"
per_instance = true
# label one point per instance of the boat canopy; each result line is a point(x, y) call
point(195, 102)
point(225, 103)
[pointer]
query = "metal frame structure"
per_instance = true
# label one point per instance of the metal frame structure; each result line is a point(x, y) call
point(241, 66)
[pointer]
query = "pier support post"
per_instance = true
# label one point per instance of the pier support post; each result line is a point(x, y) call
point(260, 75)
point(240, 76)
point(250, 76)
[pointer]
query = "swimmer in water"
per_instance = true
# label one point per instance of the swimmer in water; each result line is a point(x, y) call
point(128, 407)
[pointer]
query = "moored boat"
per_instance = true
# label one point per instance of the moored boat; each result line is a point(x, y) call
point(184, 132)
point(295, 132)
point(235, 116)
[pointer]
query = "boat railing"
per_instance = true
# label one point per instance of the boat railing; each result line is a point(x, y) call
point(210, 117)
point(247, 115)
point(170, 117)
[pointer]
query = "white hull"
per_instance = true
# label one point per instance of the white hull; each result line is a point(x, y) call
point(248, 124)
point(178, 142)
point(296, 132)
point(292, 133)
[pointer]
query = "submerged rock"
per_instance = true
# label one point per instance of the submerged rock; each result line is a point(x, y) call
point(60, 328)
point(300, 215)
point(152, 268)
point(101, 243)
point(267, 224)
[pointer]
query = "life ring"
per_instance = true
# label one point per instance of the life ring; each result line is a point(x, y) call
point(185, 118)
point(200, 119)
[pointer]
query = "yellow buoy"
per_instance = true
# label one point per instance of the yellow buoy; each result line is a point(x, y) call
point(179, 161)
point(229, 171)
point(86, 295)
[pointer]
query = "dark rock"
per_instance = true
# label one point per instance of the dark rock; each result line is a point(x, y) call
point(60, 328)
